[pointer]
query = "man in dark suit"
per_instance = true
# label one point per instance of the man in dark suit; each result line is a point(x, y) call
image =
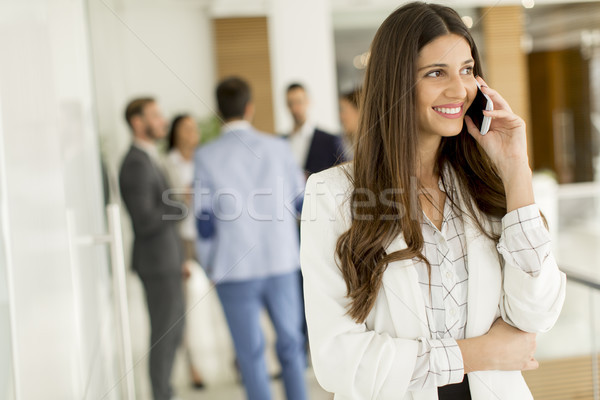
point(157, 250)
point(314, 149)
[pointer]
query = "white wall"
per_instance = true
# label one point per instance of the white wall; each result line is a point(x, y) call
point(6, 313)
point(162, 49)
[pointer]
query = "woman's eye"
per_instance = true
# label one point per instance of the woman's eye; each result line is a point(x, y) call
point(467, 70)
point(434, 74)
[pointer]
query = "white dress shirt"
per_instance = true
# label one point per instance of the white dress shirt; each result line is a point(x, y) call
point(237, 125)
point(300, 141)
point(149, 148)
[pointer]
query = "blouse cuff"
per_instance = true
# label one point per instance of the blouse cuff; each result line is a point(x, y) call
point(439, 363)
point(527, 217)
point(525, 241)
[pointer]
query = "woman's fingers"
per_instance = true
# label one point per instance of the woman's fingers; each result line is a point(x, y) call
point(505, 114)
point(497, 99)
point(531, 364)
point(503, 119)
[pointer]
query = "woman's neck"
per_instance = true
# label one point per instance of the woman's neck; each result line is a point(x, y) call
point(186, 153)
point(427, 159)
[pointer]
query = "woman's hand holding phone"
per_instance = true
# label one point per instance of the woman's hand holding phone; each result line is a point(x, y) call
point(506, 141)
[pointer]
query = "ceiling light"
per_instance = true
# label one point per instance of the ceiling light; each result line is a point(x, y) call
point(356, 62)
point(528, 3)
point(360, 61)
point(468, 21)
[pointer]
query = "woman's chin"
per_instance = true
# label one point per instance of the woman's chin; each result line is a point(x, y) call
point(450, 133)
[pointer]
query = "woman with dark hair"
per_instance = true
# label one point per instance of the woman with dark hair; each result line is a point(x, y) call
point(426, 258)
point(183, 139)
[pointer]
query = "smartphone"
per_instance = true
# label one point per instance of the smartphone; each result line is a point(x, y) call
point(482, 102)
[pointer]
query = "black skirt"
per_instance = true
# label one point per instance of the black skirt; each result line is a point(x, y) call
point(456, 391)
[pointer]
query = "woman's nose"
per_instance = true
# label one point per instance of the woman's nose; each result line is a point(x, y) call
point(457, 88)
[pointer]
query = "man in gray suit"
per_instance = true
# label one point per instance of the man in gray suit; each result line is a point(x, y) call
point(157, 250)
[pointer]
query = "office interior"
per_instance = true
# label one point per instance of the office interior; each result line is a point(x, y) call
point(73, 323)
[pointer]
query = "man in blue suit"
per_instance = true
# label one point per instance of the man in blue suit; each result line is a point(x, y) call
point(248, 194)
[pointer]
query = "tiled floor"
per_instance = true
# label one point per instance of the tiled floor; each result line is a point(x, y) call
point(235, 392)
point(225, 390)
point(211, 350)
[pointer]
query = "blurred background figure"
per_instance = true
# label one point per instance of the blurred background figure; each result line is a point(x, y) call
point(183, 139)
point(248, 239)
point(313, 148)
point(157, 250)
point(349, 103)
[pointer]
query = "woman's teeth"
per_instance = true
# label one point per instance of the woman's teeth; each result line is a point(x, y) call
point(447, 110)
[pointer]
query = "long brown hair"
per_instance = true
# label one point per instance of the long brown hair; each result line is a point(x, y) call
point(386, 156)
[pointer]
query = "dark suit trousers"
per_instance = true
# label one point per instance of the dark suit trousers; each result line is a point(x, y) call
point(164, 296)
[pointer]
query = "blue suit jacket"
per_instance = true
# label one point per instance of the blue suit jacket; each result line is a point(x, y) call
point(325, 151)
point(247, 193)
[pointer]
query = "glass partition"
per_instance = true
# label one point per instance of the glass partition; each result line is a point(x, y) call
point(568, 354)
point(6, 358)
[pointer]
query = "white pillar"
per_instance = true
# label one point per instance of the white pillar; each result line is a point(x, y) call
point(302, 50)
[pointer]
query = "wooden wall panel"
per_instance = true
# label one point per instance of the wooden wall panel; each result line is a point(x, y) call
point(560, 113)
point(563, 379)
point(545, 92)
point(242, 49)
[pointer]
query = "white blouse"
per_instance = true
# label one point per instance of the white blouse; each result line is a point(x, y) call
point(181, 172)
point(524, 240)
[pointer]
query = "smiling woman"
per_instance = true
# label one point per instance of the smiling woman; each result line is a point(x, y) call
point(444, 89)
point(426, 261)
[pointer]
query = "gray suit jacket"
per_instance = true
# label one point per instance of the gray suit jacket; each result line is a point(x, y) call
point(157, 247)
